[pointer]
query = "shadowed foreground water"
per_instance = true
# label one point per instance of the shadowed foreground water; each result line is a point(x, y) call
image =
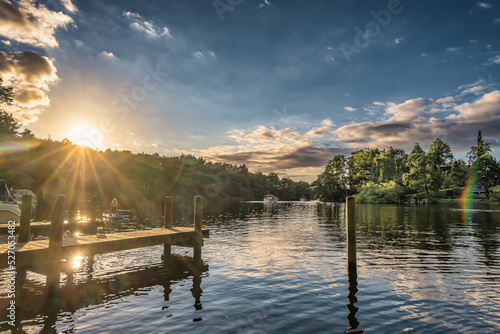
point(282, 269)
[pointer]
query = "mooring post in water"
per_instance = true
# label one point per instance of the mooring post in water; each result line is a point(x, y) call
point(56, 240)
point(352, 275)
point(198, 216)
point(167, 223)
point(167, 219)
point(93, 215)
point(56, 225)
point(198, 212)
point(351, 232)
point(24, 230)
point(72, 211)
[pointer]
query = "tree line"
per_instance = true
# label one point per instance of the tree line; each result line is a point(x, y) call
point(139, 181)
point(389, 176)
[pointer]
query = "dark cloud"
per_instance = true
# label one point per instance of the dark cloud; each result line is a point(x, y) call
point(287, 158)
point(31, 75)
point(28, 66)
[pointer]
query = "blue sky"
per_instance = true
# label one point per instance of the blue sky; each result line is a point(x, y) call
point(279, 86)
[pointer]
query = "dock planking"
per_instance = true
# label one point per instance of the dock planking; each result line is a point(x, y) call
point(35, 252)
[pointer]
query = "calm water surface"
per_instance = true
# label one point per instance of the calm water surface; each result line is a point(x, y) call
point(282, 269)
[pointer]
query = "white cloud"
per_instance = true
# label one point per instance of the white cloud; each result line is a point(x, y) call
point(69, 6)
point(398, 40)
point(474, 90)
point(266, 3)
point(204, 55)
point(350, 109)
point(423, 54)
point(483, 5)
point(198, 55)
point(149, 28)
point(453, 49)
point(485, 109)
point(494, 60)
point(107, 55)
point(497, 21)
point(425, 119)
point(26, 22)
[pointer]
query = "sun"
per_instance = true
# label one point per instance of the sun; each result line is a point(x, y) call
point(85, 135)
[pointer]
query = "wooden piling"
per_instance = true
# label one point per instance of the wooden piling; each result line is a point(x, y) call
point(93, 215)
point(167, 223)
point(24, 230)
point(56, 226)
point(351, 231)
point(167, 219)
point(198, 212)
point(56, 242)
point(72, 212)
point(198, 217)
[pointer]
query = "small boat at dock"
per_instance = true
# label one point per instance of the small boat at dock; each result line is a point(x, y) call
point(10, 202)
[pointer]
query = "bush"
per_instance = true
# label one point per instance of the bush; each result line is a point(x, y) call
point(385, 192)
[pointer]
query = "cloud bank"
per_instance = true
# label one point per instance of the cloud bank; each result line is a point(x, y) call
point(303, 154)
point(31, 76)
point(25, 22)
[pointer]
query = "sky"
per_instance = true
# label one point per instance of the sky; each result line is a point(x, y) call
point(279, 85)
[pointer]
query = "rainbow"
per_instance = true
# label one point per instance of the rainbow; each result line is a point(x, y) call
point(466, 199)
point(7, 148)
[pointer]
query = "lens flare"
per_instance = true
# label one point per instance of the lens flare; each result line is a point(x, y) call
point(77, 261)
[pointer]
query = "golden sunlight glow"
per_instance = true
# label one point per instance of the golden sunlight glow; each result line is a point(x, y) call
point(77, 261)
point(85, 135)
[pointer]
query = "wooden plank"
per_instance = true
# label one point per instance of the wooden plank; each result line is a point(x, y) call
point(36, 251)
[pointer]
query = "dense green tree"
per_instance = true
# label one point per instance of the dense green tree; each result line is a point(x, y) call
point(6, 93)
point(420, 173)
point(457, 175)
point(439, 153)
point(488, 172)
point(361, 165)
point(333, 183)
point(438, 157)
point(477, 151)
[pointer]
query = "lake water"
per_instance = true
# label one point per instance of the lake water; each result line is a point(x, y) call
point(282, 269)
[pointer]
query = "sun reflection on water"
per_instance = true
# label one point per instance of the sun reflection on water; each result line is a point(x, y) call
point(77, 261)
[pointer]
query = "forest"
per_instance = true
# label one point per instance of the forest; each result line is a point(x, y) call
point(393, 176)
point(139, 181)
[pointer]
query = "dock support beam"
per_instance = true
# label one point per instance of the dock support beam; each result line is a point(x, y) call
point(351, 232)
point(93, 215)
point(72, 212)
point(24, 230)
point(352, 275)
point(167, 223)
point(198, 217)
point(56, 241)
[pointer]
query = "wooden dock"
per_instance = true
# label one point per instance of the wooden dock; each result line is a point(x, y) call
point(35, 253)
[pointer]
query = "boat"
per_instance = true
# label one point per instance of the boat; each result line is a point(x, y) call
point(303, 198)
point(270, 199)
point(9, 210)
point(11, 201)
